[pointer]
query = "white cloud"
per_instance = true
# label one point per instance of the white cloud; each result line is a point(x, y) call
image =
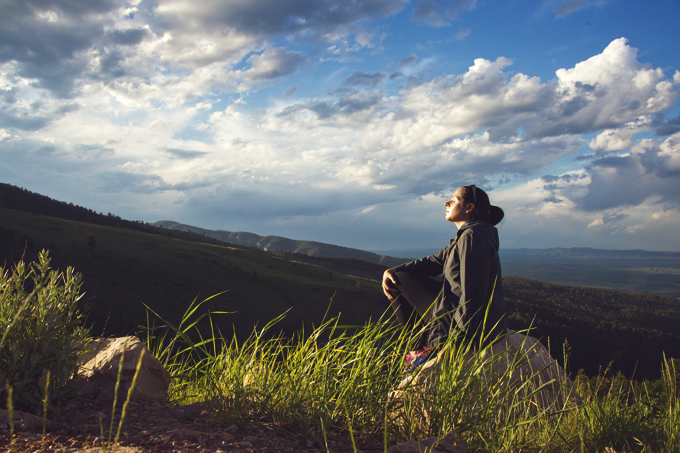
point(621, 138)
point(605, 91)
point(172, 102)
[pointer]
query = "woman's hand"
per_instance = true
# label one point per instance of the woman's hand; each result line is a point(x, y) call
point(389, 284)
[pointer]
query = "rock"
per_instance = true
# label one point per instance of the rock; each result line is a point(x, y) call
point(516, 359)
point(98, 371)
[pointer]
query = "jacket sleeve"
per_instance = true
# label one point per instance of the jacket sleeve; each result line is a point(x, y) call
point(475, 254)
point(429, 266)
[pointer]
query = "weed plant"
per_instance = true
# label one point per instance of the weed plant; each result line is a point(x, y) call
point(42, 335)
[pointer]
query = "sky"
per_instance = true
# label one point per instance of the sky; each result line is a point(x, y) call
point(351, 122)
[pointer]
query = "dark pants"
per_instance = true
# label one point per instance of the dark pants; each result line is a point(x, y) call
point(416, 297)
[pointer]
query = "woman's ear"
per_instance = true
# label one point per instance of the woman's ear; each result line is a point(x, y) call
point(470, 208)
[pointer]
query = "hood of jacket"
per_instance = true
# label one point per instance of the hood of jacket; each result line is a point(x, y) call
point(484, 227)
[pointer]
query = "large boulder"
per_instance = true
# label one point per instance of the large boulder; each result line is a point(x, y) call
point(98, 370)
point(520, 362)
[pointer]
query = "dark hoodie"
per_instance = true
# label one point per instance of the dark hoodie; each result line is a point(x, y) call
point(472, 273)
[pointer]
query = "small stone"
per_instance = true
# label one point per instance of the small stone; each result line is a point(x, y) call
point(225, 437)
point(245, 444)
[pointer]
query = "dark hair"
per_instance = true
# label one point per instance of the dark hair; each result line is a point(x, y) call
point(483, 208)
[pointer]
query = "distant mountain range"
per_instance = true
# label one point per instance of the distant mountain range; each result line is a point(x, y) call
point(396, 257)
point(586, 253)
point(281, 244)
point(14, 197)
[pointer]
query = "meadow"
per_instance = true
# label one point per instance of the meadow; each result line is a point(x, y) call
point(333, 380)
point(303, 341)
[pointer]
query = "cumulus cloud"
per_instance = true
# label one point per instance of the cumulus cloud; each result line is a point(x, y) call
point(63, 47)
point(158, 99)
point(621, 138)
point(605, 91)
point(663, 126)
point(430, 137)
point(272, 64)
point(607, 182)
point(244, 24)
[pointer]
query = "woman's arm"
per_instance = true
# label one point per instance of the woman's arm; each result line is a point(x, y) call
point(429, 266)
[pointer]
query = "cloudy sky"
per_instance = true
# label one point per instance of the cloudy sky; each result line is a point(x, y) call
point(351, 122)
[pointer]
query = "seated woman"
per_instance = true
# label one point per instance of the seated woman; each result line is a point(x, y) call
point(471, 284)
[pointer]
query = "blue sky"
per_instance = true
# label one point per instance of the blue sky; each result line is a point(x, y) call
point(351, 122)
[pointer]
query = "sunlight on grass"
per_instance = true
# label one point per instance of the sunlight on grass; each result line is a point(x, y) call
point(345, 379)
point(340, 379)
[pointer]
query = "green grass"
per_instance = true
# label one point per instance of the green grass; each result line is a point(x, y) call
point(342, 380)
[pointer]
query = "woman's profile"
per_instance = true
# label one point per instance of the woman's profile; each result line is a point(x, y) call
point(470, 294)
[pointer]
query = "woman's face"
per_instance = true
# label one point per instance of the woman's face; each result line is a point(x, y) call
point(456, 208)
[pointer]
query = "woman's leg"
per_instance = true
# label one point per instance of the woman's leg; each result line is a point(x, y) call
point(416, 297)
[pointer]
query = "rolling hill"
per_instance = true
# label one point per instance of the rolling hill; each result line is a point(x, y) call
point(126, 264)
point(281, 244)
point(124, 269)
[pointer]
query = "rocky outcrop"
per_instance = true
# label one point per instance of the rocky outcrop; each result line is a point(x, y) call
point(98, 370)
point(518, 366)
point(518, 363)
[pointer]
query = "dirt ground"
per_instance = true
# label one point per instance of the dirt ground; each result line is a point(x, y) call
point(155, 427)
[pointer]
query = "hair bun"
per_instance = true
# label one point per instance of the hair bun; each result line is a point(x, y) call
point(496, 214)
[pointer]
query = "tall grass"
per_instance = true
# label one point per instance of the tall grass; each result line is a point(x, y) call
point(343, 379)
point(346, 379)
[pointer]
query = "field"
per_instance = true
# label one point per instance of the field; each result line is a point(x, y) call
point(125, 269)
point(339, 381)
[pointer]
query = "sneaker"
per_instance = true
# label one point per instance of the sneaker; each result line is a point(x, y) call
point(414, 359)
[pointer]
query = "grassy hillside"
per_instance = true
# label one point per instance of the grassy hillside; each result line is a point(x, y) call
point(281, 244)
point(127, 263)
point(123, 268)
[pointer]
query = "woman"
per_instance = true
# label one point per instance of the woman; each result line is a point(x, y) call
point(471, 283)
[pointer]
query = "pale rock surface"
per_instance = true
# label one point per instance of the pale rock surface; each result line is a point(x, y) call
point(521, 357)
point(98, 370)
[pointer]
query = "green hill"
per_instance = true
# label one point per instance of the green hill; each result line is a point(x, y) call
point(127, 263)
point(123, 268)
